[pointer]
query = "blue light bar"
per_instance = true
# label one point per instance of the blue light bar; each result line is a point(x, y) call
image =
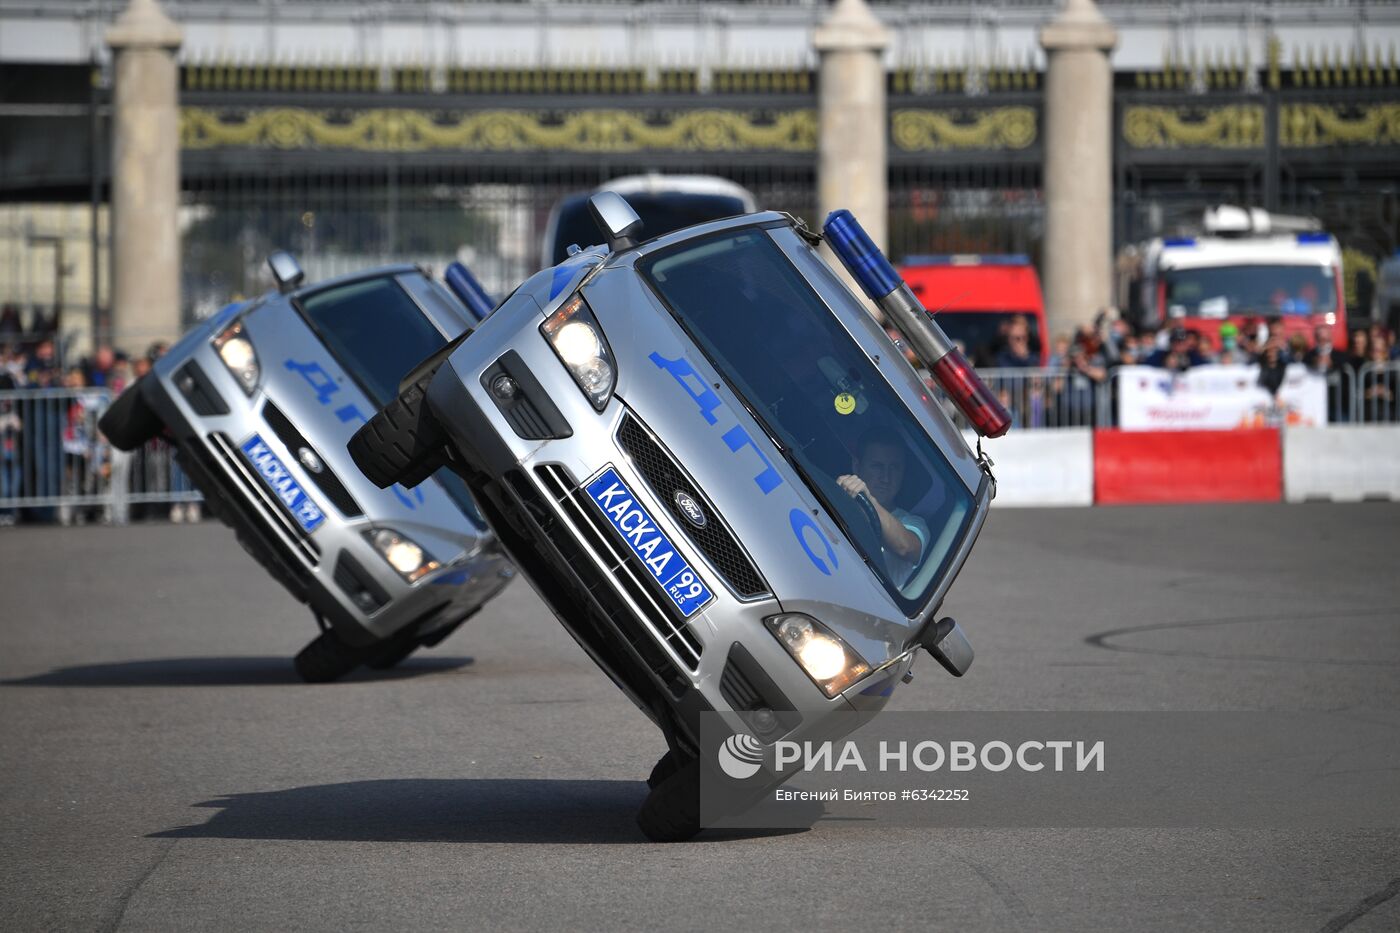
point(465, 286)
point(859, 254)
point(969, 259)
point(1314, 238)
point(1179, 241)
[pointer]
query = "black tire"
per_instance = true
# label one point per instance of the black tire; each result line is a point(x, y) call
point(392, 653)
point(666, 766)
point(425, 469)
point(327, 658)
point(671, 812)
point(401, 440)
point(129, 422)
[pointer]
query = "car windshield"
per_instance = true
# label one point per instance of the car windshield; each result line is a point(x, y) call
point(661, 212)
point(1268, 290)
point(378, 334)
point(840, 423)
point(982, 334)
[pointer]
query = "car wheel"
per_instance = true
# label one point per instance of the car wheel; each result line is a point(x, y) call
point(401, 441)
point(664, 768)
point(671, 812)
point(327, 658)
point(129, 422)
point(392, 653)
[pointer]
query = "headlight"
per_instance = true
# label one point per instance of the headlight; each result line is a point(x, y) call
point(408, 559)
point(819, 652)
point(238, 355)
point(578, 340)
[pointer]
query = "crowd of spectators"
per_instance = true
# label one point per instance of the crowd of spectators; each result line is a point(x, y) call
point(50, 445)
point(1082, 363)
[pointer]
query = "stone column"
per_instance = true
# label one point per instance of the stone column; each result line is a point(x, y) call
point(851, 167)
point(145, 237)
point(1077, 259)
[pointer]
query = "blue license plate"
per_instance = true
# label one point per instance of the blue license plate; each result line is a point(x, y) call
point(649, 543)
point(279, 479)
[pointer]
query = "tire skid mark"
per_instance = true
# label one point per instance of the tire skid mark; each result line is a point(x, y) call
point(1021, 914)
point(119, 911)
point(1101, 639)
point(1365, 906)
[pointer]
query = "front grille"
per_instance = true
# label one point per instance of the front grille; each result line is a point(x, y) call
point(252, 491)
point(329, 484)
point(626, 575)
point(714, 539)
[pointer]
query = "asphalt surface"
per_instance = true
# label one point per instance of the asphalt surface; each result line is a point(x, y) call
point(162, 769)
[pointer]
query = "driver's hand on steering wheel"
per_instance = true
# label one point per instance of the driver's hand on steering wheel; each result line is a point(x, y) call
point(854, 486)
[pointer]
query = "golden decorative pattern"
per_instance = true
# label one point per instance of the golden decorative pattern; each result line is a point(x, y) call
point(406, 130)
point(943, 130)
point(1308, 126)
point(1238, 126)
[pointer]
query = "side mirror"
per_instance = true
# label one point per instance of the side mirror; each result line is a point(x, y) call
point(285, 270)
point(948, 645)
point(618, 222)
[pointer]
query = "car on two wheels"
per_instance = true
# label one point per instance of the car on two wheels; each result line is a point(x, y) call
point(718, 471)
point(260, 401)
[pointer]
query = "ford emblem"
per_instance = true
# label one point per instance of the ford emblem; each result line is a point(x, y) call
point(690, 508)
point(308, 459)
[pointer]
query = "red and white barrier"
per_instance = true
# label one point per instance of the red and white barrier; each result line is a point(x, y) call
point(1343, 463)
point(1136, 467)
point(1077, 466)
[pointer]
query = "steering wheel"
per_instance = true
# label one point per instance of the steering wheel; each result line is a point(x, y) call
point(867, 508)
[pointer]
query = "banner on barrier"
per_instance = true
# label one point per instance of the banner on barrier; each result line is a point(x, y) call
point(1217, 397)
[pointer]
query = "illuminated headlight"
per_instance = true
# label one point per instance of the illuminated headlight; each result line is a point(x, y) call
point(407, 558)
point(578, 340)
point(237, 352)
point(819, 652)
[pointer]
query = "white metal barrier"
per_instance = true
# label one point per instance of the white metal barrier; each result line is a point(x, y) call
point(56, 464)
point(1376, 391)
point(1049, 397)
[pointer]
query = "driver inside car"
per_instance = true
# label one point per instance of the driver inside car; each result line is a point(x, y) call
point(878, 473)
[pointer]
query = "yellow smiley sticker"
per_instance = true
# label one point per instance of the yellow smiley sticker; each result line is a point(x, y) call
point(845, 403)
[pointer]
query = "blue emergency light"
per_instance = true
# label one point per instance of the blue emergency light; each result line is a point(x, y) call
point(1179, 241)
point(465, 286)
point(877, 278)
point(859, 254)
point(1314, 238)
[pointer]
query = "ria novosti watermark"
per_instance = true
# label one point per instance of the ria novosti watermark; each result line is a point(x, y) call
point(928, 755)
point(1227, 769)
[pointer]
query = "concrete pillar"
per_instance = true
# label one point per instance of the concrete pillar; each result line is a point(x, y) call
point(852, 167)
point(1078, 165)
point(145, 235)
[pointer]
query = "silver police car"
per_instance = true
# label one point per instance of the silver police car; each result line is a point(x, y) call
point(718, 471)
point(260, 401)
